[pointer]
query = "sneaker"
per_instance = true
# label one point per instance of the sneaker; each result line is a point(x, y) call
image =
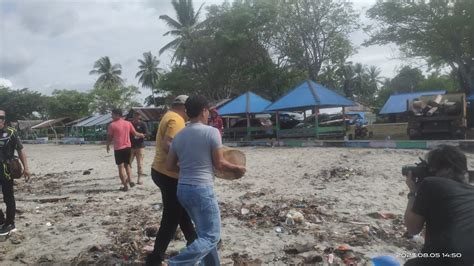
point(6, 229)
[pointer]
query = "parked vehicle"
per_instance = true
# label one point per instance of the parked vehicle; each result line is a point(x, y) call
point(239, 128)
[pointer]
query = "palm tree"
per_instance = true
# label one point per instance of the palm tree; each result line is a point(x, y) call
point(182, 27)
point(149, 73)
point(109, 75)
point(374, 77)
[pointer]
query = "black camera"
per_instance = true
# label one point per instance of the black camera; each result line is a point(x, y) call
point(418, 171)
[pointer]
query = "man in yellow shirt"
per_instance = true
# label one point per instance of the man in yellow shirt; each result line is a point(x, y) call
point(173, 213)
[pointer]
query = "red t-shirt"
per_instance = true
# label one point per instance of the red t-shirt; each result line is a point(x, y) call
point(120, 131)
point(217, 123)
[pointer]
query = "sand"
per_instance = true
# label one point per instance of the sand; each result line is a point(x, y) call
point(334, 188)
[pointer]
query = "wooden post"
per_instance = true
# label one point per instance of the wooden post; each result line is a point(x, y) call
point(248, 126)
point(277, 121)
point(316, 121)
point(344, 120)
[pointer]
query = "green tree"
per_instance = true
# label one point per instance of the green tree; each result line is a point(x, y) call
point(109, 75)
point(22, 104)
point(440, 31)
point(68, 103)
point(149, 73)
point(437, 81)
point(407, 80)
point(182, 28)
point(310, 34)
point(104, 99)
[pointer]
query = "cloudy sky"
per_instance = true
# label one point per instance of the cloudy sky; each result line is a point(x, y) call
point(52, 44)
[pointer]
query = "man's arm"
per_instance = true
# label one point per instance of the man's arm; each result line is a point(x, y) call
point(166, 143)
point(172, 162)
point(109, 140)
point(24, 161)
point(220, 163)
point(413, 222)
point(172, 129)
point(135, 133)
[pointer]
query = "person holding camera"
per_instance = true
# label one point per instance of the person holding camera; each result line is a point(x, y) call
point(9, 142)
point(441, 199)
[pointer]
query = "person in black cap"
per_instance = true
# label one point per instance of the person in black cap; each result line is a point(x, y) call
point(9, 143)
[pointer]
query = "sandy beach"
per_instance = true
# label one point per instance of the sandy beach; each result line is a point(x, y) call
point(72, 211)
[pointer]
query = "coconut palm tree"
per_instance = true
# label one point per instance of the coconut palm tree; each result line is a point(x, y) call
point(149, 73)
point(374, 77)
point(182, 27)
point(109, 75)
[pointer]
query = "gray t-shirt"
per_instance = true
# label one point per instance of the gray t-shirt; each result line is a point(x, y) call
point(194, 146)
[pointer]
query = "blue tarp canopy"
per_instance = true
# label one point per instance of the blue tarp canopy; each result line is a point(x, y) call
point(471, 97)
point(397, 103)
point(308, 95)
point(247, 103)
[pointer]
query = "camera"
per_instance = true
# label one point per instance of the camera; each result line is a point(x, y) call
point(418, 171)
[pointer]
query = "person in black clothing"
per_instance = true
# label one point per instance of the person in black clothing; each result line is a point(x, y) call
point(444, 203)
point(9, 142)
point(138, 144)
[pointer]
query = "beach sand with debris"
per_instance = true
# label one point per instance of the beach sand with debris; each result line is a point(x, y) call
point(353, 198)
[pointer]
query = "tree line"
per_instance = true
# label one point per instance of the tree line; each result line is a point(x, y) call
point(268, 46)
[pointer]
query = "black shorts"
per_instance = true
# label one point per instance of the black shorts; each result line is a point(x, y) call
point(123, 156)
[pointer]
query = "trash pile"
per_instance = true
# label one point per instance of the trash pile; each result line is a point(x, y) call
point(128, 243)
point(436, 106)
point(340, 173)
point(283, 215)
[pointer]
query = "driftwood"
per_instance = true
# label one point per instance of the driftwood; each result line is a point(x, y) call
point(45, 200)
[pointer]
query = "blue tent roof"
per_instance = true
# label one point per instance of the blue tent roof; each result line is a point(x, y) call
point(397, 103)
point(248, 102)
point(309, 94)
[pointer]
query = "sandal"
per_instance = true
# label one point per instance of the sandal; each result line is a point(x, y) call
point(132, 184)
point(124, 189)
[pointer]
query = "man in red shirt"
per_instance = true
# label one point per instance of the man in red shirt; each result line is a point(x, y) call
point(215, 120)
point(119, 134)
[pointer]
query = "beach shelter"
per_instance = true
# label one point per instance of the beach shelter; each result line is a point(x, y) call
point(93, 127)
point(310, 95)
point(246, 104)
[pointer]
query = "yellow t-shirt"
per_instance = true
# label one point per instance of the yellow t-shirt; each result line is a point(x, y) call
point(170, 125)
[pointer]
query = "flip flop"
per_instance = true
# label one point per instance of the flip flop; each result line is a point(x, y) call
point(124, 189)
point(132, 184)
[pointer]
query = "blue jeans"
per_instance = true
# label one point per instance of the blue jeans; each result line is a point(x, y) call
point(201, 205)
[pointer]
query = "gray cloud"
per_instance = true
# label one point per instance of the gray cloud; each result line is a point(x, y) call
point(52, 18)
point(14, 62)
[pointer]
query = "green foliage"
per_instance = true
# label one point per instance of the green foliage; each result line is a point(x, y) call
point(104, 99)
point(311, 34)
point(68, 103)
point(436, 81)
point(408, 79)
point(149, 73)
point(109, 75)
point(183, 28)
point(440, 31)
point(22, 104)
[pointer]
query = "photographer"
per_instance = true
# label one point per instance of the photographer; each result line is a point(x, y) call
point(441, 197)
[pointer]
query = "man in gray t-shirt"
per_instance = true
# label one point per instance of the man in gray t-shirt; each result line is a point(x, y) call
point(195, 166)
point(198, 149)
